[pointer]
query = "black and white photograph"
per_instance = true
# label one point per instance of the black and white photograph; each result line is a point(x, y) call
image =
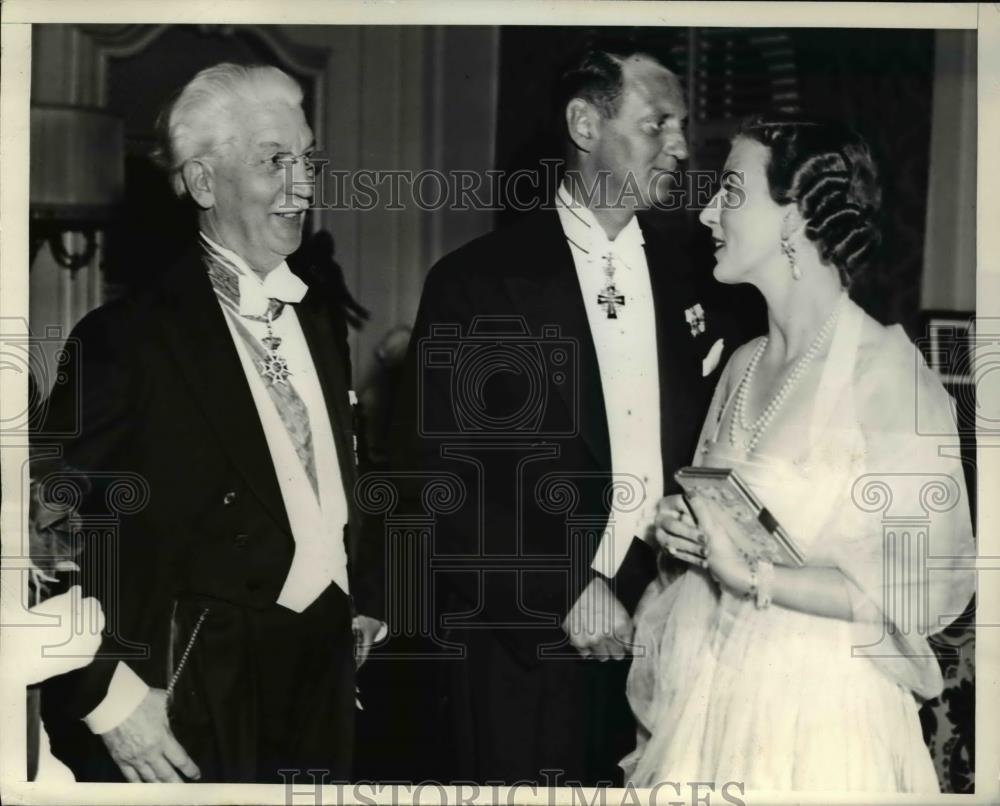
point(546, 402)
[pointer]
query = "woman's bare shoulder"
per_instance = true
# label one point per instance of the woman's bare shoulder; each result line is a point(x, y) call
point(738, 362)
point(741, 355)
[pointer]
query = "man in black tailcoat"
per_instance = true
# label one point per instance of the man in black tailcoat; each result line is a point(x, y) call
point(560, 369)
point(238, 583)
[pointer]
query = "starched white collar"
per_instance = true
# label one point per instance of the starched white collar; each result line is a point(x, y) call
point(255, 293)
point(584, 232)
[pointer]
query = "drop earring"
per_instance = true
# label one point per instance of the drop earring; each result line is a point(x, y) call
point(789, 251)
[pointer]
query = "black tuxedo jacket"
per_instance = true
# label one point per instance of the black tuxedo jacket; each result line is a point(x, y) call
point(159, 402)
point(504, 391)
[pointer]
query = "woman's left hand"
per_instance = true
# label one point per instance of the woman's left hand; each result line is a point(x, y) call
point(677, 533)
point(725, 562)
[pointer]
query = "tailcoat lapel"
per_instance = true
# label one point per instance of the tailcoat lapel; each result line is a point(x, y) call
point(543, 284)
point(673, 292)
point(207, 362)
point(678, 350)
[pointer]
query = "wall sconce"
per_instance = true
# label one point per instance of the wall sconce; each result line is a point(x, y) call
point(77, 177)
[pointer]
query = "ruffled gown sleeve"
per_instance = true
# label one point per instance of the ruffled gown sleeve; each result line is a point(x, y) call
point(905, 542)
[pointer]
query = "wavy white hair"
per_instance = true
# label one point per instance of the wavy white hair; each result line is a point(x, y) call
point(201, 117)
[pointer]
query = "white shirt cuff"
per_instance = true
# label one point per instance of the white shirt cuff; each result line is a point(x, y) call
point(606, 560)
point(125, 693)
point(615, 544)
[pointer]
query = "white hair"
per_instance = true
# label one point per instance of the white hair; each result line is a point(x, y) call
point(201, 117)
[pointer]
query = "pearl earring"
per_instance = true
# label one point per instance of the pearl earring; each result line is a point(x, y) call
point(789, 251)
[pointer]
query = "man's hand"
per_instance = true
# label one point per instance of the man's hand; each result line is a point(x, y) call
point(366, 630)
point(144, 748)
point(598, 624)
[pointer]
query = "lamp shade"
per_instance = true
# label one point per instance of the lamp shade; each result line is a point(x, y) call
point(77, 163)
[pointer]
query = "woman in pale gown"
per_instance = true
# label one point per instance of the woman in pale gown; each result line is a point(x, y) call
point(808, 678)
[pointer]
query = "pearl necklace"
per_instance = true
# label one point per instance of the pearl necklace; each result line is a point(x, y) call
point(761, 424)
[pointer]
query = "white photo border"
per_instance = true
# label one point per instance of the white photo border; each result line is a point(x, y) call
point(15, 75)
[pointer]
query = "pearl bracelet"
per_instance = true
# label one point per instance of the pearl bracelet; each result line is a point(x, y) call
point(752, 590)
point(764, 579)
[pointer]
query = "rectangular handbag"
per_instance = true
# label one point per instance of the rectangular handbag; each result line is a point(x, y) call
point(760, 535)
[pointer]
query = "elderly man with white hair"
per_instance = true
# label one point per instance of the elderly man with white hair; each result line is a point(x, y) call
point(242, 595)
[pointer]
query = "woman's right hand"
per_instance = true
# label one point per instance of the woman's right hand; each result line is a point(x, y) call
point(678, 534)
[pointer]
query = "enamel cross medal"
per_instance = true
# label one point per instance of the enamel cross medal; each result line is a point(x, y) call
point(609, 297)
point(274, 367)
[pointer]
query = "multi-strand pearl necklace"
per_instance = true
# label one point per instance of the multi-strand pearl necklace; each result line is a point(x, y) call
point(761, 424)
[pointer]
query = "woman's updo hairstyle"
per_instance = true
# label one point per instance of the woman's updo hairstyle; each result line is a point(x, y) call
point(828, 171)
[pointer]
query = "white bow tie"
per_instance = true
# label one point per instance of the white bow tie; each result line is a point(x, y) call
point(279, 284)
point(255, 294)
